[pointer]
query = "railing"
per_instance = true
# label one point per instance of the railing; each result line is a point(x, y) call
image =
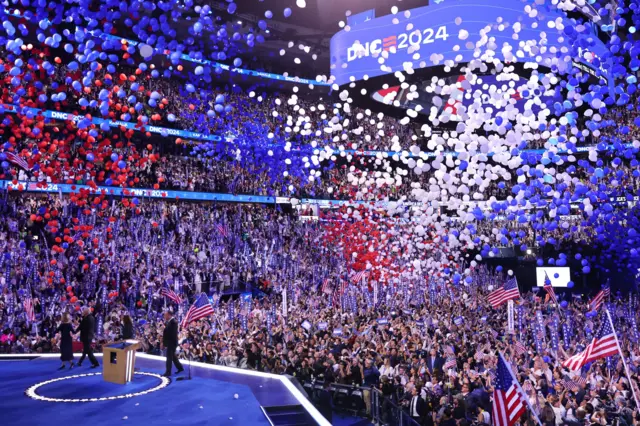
point(362, 401)
point(386, 412)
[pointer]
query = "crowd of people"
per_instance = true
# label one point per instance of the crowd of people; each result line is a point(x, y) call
point(408, 336)
point(424, 340)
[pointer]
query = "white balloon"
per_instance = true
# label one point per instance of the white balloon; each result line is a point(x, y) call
point(146, 51)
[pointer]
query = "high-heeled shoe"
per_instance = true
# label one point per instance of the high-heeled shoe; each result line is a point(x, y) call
point(61, 367)
point(71, 366)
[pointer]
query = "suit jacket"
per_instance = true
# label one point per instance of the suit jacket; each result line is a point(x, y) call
point(87, 329)
point(421, 407)
point(170, 333)
point(437, 364)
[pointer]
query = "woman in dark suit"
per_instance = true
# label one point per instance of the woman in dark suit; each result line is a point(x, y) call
point(66, 341)
point(127, 331)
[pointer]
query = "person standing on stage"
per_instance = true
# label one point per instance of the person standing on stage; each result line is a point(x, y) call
point(87, 329)
point(170, 343)
point(127, 331)
point(66, 341)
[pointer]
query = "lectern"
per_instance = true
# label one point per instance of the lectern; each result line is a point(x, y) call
point(118, 361)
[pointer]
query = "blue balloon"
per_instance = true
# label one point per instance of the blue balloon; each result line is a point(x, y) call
point(287, 12)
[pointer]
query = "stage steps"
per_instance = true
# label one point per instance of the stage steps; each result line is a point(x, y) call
point(288, 415)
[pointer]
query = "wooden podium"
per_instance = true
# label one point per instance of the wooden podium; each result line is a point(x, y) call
point(118, 361)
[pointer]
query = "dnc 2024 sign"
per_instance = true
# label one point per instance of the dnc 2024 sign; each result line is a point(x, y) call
point(436, 30)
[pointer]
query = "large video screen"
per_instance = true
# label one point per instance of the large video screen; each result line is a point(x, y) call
point(562, 279)
point(446, 31)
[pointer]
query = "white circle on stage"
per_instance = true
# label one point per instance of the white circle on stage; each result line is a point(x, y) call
point(31, 392)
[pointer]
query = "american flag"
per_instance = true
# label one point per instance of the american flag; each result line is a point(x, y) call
point(604, 344)
point(569, 385)
point(597, 301)
point(450, 362)
point(549, 288)
point(358, 277)
point(222, 229)
point(508, 403)
point(607, 291)
point(343, 287)
point(201, 308)
point(17, 160)
point(28, 309)
point(581, 379)
point(505, 293)
point(519, 348)
point(325, 286)
point(167, 292)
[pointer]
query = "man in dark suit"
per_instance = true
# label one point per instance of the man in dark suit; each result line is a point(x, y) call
point(87, 329)
point(417, 406)
point(434, 361)
point(170, 343)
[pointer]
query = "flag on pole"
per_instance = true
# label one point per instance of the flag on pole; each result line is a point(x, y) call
point(549, 289)
point(508, 291)
point(201, 308)
point(358, 277)
point(17, 160)
point(28, 308)
point(343, 287)
point(508, 402)
point(222, 229)
point(325, 286)
point(603, 345)
point(167, 292)
point(597, 301)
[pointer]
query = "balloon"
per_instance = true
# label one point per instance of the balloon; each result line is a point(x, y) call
point(146, 51)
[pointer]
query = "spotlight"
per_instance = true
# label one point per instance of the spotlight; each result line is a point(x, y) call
point(528, 251)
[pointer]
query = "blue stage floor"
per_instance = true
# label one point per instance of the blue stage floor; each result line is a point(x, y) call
point(207, 399)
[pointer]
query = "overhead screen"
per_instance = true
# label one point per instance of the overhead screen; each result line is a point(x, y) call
point(445, 31)
point(564, 276)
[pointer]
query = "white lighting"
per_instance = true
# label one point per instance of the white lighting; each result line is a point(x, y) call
point(31, 392)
